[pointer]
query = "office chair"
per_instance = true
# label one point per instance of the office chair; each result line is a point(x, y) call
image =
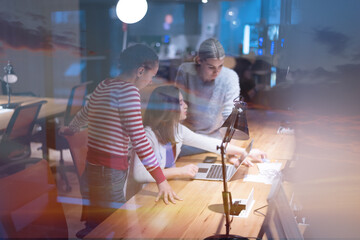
point(279, 222)
point(15, 143)
point(78, 149)
point(55, 141)
point(5, 91)
point(28, 204)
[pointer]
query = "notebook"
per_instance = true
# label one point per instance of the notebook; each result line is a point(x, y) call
point(213, 171)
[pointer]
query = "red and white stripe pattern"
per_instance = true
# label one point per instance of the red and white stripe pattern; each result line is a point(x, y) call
point(113, 114)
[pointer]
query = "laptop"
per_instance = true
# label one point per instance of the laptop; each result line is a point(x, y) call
point(213, 171)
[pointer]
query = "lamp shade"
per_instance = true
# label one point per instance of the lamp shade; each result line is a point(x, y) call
point(9, 76)
point(237, 123)
point(131, 11)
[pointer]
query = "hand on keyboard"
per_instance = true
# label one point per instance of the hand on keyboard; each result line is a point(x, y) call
point(189, 171)
point(257, 155)
point(237, 161)
point(247, 162)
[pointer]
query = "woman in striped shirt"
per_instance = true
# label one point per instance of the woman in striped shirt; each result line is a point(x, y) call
point(113, 116)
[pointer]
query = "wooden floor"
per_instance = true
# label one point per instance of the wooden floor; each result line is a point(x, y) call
point(71, 201)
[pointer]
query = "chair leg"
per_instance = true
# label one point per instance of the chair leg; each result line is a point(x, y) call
point(62, 172)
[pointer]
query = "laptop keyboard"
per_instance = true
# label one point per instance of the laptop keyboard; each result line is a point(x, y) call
point(215, 171)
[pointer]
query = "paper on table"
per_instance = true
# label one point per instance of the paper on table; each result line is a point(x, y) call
point(269, 167)
point(4, 110)
point(267, 172)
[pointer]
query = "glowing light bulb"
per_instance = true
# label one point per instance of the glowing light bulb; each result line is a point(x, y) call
point(131, 11)
point(231, 14)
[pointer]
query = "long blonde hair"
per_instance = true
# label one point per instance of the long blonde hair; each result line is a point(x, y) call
point(163, 113)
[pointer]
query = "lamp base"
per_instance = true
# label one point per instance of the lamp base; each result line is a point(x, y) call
point(224, 237)
point(10, 105)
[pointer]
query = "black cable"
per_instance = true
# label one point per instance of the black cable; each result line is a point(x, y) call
point(257, 210)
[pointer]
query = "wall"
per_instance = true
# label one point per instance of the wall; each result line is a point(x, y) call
point(245, 12)
point(40, 44)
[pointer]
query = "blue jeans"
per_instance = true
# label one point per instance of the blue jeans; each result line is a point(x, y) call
point(189, 150)
point(103, 192)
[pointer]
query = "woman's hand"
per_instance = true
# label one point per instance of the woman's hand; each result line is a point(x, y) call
point(167, 193)
point(189, 171)
point(237, 161)
point(257, 155)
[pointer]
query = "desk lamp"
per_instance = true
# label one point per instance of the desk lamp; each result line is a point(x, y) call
point(9, 77)
point(234, 126)
point(236, 121)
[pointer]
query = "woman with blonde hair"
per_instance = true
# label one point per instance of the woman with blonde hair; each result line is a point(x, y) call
point(165, 110)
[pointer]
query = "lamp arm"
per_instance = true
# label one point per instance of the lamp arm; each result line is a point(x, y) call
point(227, 200)
point(8, 90)
point(226, 195)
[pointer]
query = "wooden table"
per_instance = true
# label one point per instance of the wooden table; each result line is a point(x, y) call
point(53, 107)
point(200, 214)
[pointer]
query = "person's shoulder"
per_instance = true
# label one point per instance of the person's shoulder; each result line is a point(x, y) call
point(150, 135)
point(149, 131)
point(118, 85)
point(126, 89)
point(228, 72)
point(228, 75)
point(188, 67)
point(104, 83)
point(183, 129)
point(180, 127)
point(179, 132)
point(128, 86)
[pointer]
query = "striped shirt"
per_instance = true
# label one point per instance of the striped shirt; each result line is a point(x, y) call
point(113, 115)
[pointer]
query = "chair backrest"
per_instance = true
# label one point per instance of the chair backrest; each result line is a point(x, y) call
point(280, 222)
point(28, 205)
point(230, 62)
point(76, 101)
point(18, 133)
point(78, 149)
point(5, 91)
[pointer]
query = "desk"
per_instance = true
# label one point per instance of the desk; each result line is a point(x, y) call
point(198, 216)
point(52, 108)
